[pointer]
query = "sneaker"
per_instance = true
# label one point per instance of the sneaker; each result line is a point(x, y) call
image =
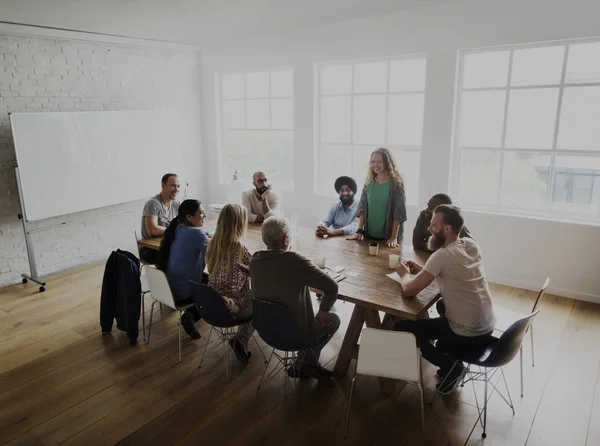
point(452, 380)
point(239, 351)
point(187, 321)
point(298, 372)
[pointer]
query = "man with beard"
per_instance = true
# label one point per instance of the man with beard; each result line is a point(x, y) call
point(469, 320)
point(261, 201)
point(342, 218)
point(421, 232)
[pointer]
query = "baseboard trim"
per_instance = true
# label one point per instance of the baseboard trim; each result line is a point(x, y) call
point(551, 290)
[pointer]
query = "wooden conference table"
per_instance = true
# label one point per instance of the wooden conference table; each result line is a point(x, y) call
point(365, 284)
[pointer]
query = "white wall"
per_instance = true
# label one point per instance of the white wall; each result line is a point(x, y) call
point(66, 74)
point(517, 251)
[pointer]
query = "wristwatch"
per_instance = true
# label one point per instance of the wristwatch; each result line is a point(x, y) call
point(360, 231)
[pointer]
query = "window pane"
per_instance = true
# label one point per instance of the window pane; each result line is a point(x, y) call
point(282, 113)
point(269, 151)
point(579, 127)
point(479, 174)
point(408, 165)
point(583, 63)
point(370, 77)
point(407, 75)
point(335, 119)
point(257, 85)
point(336, 79)
point(481, 118)
point(405, 119)
point(369, 120)
point(233, 86)
point(282, 84)
point(525, 179)
point(234, 114)
point(531, 118)
point(488, 69)
point(257, 113)
point(537, 66)
point(577, 182)
point(581, 188)
point(336, 161)
point(360, 164)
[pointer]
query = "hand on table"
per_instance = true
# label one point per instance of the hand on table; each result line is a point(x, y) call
point(392, 242)
point(403, 269)
point(413, 267)
point(322, 231)
point(356, 236)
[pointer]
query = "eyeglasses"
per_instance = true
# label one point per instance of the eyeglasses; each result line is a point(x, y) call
point(260, 180)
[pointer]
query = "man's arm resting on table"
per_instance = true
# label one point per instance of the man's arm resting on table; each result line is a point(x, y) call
point(152, 227)
point(413, 285)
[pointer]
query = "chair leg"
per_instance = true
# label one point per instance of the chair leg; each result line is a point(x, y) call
point(422, 409)
point(150, 324)
point(265, 372)
point(206, 347)
point(521, 360)
point(485, 403)
point(144, 317)
point(226, 353)
point(259, 349)
point(507, 391)
point(179, 330)
point(532, 355)
point(350, 404)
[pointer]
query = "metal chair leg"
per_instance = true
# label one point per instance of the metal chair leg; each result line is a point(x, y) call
point(179, 330)
point(226, 353)
point(206, 347)
point(144, 316)
point(532, 355)
point(349, 405)
point(422, 409)
point(485, 403)
point(150, 324)
point(507, 391)
point(521, 360)
point(265, 372)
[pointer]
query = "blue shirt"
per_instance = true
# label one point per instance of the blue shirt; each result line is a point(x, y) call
point(186, 260)
point(338, 218)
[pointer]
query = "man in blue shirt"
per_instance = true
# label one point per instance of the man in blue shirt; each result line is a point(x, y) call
point(342, 218)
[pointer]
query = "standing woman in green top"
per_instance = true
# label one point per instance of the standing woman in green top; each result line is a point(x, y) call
point(382, 206)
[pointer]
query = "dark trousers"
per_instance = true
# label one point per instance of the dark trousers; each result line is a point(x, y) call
point(190, 300)
point(439, 328)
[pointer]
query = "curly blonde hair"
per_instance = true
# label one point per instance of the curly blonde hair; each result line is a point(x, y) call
point(226, 245)
point(389, 164)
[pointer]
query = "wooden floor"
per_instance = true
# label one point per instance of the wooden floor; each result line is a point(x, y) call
point(62, 382)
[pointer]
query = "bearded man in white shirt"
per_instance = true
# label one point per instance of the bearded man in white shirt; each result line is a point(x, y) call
point(261, 201)
point(469, 319)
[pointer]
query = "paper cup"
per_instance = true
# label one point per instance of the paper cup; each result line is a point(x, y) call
point(373, 249)
point(394, 260)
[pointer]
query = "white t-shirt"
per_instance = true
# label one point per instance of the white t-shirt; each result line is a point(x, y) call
point(458, 269)
point(254, 206)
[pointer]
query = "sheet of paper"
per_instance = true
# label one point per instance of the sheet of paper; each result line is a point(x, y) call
point(394, 276)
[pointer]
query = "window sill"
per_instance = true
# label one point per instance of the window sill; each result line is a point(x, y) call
point(539, 217)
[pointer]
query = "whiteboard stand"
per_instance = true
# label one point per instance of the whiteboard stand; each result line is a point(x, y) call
point(33, 276)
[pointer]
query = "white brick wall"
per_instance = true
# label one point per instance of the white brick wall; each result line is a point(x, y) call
point(40, 74)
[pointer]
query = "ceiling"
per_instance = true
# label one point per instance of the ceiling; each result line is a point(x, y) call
point(195, 21)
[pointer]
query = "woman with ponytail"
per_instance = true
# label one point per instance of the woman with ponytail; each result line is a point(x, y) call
point(181, 257)
point(228, 262)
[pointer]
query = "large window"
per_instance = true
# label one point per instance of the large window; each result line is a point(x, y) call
point(361, 105)
point(527, 133)
point(256, 122)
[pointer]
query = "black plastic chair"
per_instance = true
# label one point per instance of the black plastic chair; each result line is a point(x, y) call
point(277, 327)
point(495, 354)
point(212, 308)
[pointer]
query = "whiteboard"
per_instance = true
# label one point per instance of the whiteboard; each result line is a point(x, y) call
point(74, 161)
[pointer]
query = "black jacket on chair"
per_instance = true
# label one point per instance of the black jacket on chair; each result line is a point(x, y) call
point(121, 294)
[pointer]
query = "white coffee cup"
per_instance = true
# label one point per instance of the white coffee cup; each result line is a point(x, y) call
point(394, 260)
point(373, 249)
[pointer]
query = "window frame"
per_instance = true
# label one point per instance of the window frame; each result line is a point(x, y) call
point(220, 121)
point(318, 144)
point(551, 209)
